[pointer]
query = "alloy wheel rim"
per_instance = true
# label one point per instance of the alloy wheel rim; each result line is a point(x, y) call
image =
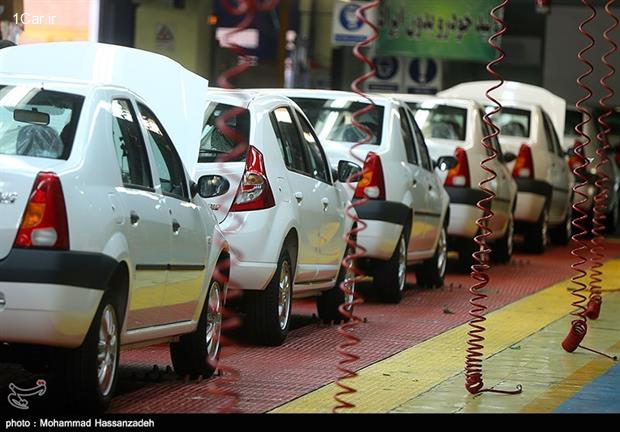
point(510, 234)
point(214, 320)
point(284, 295)
point(442, 259)
point(402, 263)
point(349, 279)
point(107, 350)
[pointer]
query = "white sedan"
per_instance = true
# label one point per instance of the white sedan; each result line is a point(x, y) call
point(103, 242)
point(407, 212)
point(456, 127)
point(530, 122)
point(283, 211)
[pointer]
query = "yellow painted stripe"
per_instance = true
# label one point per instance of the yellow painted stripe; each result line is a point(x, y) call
point(386, 385)
point(568, 387)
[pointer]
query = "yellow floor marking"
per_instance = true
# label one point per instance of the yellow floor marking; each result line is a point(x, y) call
point(390, 383)
point(549, 375)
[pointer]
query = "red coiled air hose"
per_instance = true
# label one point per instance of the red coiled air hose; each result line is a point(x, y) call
point(353, 298)
point(579, 325)
point(222, 387)
point(600, 200)
point(473, 362)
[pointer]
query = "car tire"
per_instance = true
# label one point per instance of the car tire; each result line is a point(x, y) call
point(465, 248)
point(611, 219)
point(197, 353)
point(390, 276)
point(430, 274)
point(536, 235)
point(561, 234)
point(79, 369)
point(502, 248)
point(328, 302)
point(268, 312)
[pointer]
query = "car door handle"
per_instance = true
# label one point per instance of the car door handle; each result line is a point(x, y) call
point(414, 183)
point(430, 187)
point(176, 226)
point(325, 203)
point(299, 197)
point(134, 218)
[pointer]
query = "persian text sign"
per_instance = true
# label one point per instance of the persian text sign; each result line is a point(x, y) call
point(447, 29)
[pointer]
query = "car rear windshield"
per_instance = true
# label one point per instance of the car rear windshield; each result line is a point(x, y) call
point(37, 122)
point(513, 122)
point(333, 119)
point(217, 145)
point(442, 121)
point(573, 118)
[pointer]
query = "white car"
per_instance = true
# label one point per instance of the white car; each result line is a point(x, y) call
point(571, 140)
point(407, 212)
point(456, 127)
point(283, 213)
point(103, 242)
point(529, 124)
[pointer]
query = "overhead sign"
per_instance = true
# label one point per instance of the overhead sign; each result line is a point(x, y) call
point(389, 75)
point(423, 76)
point(347, 29)
point(448, 29)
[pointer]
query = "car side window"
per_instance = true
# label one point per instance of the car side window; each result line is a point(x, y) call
point(318, 162)
point(421, 143)
point(169, 165)
point(289, 140)
point(548, 133)
point(129, 145)
point(557, 147)
point(407, 134)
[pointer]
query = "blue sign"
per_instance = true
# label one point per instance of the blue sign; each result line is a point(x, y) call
point(386, 67)
point(348, 19)
point(423, 71)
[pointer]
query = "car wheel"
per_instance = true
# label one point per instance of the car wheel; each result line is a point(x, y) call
point(328, 302)
point(390, 276)
point(466, 247)
point(611, 220)
point(502, 248)
point(430, 273)
point(560, 235)
point(89, 373)
point(536, 235)
point(196, 354)
point(268, 312)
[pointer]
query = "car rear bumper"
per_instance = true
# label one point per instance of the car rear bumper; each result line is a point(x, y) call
point(50, 297)
point(385, 221)
point(463, 220)
point(532, 196)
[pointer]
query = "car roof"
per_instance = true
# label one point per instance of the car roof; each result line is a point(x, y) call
point(245, 97)
point(170, 90)
point(333, 94)
point(455, 102)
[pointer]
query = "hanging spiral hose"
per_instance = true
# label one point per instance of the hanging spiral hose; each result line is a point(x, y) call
point(222, 387)
point(597, 249)
point(352, 298)
point(579, 326)
point(473, 363)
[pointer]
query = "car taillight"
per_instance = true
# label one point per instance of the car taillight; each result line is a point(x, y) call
point(524, 165)
point(459, 175)
point(371, 184)
point(573, 160)
point(44, 224)
point(254, 192)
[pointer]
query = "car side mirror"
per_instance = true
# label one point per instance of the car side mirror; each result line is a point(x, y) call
point(445, 163)
point(509, 157)
point(210, 186)
point(346, 169)
point(570, 152)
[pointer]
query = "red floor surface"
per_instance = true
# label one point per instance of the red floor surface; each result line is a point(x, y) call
point(273, 376)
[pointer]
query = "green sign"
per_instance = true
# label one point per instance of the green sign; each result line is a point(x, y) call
point(442, 29)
